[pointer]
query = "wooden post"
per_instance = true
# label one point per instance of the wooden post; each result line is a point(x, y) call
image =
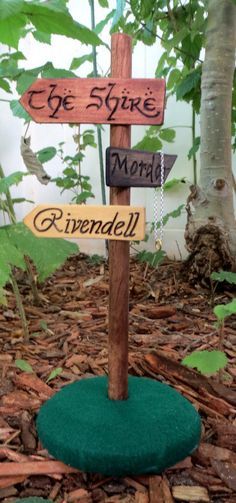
point(120, 136)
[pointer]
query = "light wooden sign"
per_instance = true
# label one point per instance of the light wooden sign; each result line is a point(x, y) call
point(135, 168)
point(124, 223)
point(96, 101)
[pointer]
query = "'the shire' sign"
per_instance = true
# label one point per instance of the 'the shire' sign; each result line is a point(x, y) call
point(75, 221)
point(135, 168)
point(96, 101)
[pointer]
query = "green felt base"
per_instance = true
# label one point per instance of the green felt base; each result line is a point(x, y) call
point(153, 429)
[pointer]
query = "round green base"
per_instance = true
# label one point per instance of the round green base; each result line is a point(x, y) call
point(153, 429)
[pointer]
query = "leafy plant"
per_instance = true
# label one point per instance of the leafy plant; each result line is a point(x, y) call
point(153, 259)
point(71, 178)
point(228, 276)
point(222, 311)
point(18, 245)
point(206, 362)
point(210, 362)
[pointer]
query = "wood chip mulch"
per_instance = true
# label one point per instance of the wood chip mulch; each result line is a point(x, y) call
point(168, 319)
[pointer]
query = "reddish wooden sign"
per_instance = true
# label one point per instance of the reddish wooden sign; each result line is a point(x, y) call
point(96, 101)
point(135, 168)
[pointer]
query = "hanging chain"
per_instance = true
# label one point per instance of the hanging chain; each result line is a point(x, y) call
point(158, 240)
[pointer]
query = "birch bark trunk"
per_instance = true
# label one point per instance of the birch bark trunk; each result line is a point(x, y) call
point(211, 227)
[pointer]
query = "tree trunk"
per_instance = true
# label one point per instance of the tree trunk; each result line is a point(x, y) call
point(211, 228)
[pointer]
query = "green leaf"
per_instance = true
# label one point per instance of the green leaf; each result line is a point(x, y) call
point(11, 30)
point(9, 256)
point(9, 180)
point(19, 111)
point(188, 83)
point(207, 362)
point(46, 154)
point(49, 18)
point(44, 38)
point(152, 259)
point(176, 39)
point(49, 72)
point(10, 8)
point(5, 85)
point(173, 78)
point(172, 214)
point(151, 144)
point(167, 134)
point(103, 3)
point(222, 311)
point(26, 79)
point(148, 35)
point(56, 372)
point(173, 183)
point(195, 147)
point(23, 365)
point(99, 27)
point(161, 64)
point(17, 200)
point(47, 254)
point(230, 277)
point(77, 62)
point(81, 198)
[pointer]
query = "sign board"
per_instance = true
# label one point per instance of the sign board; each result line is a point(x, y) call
point(135, 168)
point(96, 101)
point(124, 223)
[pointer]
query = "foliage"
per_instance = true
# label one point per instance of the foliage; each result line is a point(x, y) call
point(42, 19)
point(55, 372)
point(71, 178)
point(172, 214)
point(154, 137)
point(207, 362)
point(230, 277)
point(17, 241)
point(210, 362)
point(222, 311)
point(180, 28)
point(153, 259)
point(23, 365)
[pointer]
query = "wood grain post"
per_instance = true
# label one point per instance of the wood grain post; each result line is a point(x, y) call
point(120, 136)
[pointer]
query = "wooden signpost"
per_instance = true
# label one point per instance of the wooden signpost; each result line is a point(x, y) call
point(119, 101)
point(76, 221)
point(135, 168)
point(96, 101)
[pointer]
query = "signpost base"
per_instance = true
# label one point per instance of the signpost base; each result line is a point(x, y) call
point(152, 430)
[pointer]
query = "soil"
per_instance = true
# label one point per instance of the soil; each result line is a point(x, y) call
point(169, 318)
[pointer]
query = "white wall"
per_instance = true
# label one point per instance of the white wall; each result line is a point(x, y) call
point(61, 52)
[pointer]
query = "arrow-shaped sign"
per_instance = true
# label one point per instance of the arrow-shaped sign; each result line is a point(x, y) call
point(96, 101)
point(120, 223)
point(135, 168)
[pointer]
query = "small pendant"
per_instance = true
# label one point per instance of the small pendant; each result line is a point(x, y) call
point(158, 244)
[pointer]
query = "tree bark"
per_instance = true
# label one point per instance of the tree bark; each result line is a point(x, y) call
point(211, 228)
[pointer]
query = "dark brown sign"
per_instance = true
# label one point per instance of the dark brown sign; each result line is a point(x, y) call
point(96, 101)
point(135, 168)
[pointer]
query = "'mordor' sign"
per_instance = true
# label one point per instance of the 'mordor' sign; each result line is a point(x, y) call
point(76, 221)
point(96, 101)
point(135, 168)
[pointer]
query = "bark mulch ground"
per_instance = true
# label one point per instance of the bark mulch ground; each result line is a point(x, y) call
point(168, 319)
